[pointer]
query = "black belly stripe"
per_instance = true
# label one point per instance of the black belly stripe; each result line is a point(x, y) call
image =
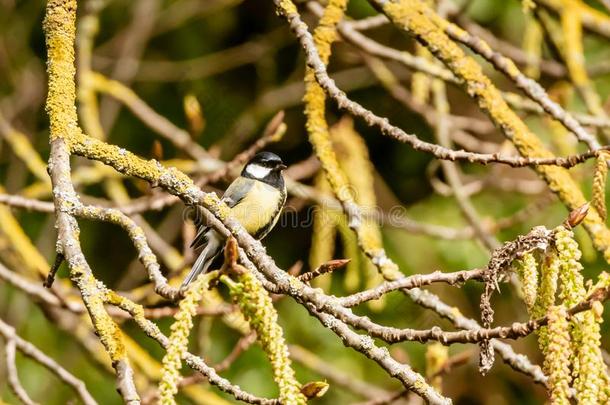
point(261, 233)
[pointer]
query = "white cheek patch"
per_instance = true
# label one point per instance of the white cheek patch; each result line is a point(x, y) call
point(257, 171)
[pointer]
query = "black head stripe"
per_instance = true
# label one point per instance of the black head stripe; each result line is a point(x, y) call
point(266, 159)
point(274, 178)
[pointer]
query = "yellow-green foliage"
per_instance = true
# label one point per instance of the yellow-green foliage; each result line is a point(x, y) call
point(233, 319)
point(353, 159)
point(353, 276)
point(194, 114)
point(528, 5)
point(324, 35)
point(353, 156)
point(417, 18)
point(179, 339)
point(351, 177)
point(571, 346)
point(528, 274)
point(323, 235)
point(256, 305)
point(571, 22)
point(572, 289)
point(437, 355)
point(315, 98)
point(17, 247)
point(556, 357)
point(587, 364)
point(564, 142)
point(420, 82)
point(598, 198)
point(532, 45)
point(549, 273)
point(23, 149)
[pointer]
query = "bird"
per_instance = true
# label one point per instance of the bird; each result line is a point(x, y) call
point(256, 199)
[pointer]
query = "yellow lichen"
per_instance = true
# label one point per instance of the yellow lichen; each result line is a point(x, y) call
point(288, 7)
point(27, 255)
point(23, 149)
point(319, 137)
point(108, 331)
point(417, 18)
point(212, 200)
point(574, 55)
point(591, 18)
point(147, 365)
point(353, 156)
point(60, 29)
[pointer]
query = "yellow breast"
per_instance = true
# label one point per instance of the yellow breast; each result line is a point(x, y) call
point(258, 208)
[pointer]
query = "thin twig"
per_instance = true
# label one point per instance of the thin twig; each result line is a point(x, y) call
point(59, 259)
point(324, 268)
point(196, 363)
point(408, 282)
point(28, 349)
point(313, 59)
point(13, 376)
point(336, 376)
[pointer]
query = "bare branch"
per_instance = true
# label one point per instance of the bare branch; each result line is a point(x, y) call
point(37, 355)
point(13, 376)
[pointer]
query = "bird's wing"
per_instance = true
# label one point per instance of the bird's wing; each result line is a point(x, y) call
point(232, 196)
point(201, 238)
point(237, 191)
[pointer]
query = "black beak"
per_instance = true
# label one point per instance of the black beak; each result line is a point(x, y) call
point(282, 167)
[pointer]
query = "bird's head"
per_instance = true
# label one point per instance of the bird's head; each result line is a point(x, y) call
point(263, 165)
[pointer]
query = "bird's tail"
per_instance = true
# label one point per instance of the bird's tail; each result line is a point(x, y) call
point(205, 259)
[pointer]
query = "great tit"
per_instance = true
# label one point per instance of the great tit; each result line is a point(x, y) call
point(256, 199)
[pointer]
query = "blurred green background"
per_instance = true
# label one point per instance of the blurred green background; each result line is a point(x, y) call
point(183, 54)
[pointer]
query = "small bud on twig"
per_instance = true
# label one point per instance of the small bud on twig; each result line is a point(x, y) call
point(231, 255)
point(577, 216)
point(314, 389)
point(324, 268)
point(157, 150)
point(194, 115)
